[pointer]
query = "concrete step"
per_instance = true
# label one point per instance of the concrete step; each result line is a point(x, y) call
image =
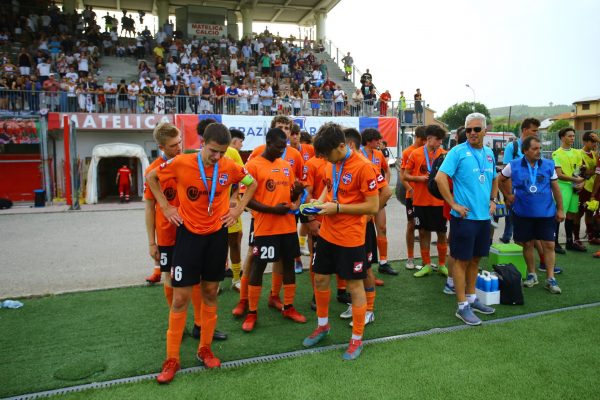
point(118, 68)
point(336, 74)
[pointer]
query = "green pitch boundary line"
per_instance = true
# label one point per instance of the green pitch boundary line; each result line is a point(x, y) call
point(293, 354)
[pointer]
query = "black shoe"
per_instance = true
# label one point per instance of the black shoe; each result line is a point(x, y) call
point(387, 269)
point(574, 246)
point(558, 249)
point(217, 335)
point(344, 298)
point(505, 241)
point(228, 273)
point(313, 304)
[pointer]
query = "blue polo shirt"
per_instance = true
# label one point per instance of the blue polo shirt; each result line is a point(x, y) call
point(532, 205)
point(509, 150)
point(463, 165)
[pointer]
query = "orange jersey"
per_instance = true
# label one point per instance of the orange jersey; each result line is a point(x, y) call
point(165, 231)
point(376, 157)
point(417, 166)
point(193, 195)
point(291, 155)
point(381, 182)
point(307, 151)
point(358, 181)
point(275, 180)
point(314, 175)
point(405, 156)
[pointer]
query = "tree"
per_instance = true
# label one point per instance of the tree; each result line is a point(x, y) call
point(455, 115)
point(558, 125)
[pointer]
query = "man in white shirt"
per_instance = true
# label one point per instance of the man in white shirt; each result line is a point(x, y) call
point(317, 75)
point(339, 97)
point(43, 69)
point(243, 94)
point(72, 76)
point(246, 52)
point(172, 69)
point(110, 90)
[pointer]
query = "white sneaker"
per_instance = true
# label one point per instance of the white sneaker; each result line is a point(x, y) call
point(410, 264)
point(304, 251)
point(369, 317)
point(347, 314)
point(236, 285)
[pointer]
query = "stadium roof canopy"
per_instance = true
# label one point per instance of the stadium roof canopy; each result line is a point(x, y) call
point(298, 12)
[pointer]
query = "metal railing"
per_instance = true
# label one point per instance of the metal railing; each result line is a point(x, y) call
point(33, 102)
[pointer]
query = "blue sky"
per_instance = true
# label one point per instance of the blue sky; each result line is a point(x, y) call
point(510, 52)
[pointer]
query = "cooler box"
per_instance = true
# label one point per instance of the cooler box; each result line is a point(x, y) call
point(509, 253)
point(408, 116)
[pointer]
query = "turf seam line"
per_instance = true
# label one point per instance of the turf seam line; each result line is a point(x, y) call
point(296, 353)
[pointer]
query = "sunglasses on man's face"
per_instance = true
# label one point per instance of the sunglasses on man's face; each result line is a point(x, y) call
point(477, 129)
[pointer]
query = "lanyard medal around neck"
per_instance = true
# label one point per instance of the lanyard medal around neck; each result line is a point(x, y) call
point(212, 190)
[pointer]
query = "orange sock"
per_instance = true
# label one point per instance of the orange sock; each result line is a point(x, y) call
point(253, 297)
point(322, 300)
point(175, 333)
point(197, 303)
point(411, 252)
point(209, 322)
point(370, 298)
point(425, 256)
point(442, 250)
point(382, 247)
point(156, 271)
point(276, 283)
point(244, 288)
point(341, 284)
point(289, 292)
point(168, 294)
point(358, 321)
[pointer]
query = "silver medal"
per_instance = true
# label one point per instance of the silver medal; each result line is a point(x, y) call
point(533, 188)
point(482, 178)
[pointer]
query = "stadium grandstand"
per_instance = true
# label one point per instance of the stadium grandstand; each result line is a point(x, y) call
point(80, 60)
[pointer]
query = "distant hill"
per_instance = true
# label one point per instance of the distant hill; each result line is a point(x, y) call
point(522, 111)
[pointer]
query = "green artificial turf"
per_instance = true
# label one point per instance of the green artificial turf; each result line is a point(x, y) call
point(548, 357)
point(101, 335)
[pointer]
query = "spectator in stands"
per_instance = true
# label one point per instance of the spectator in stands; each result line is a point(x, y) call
point(133, 90)
point(44, 70)
point(315, 100)
point(419, 106)
point(348, 63)
point(110, 90)
point(172, 69)
point(366, 77)
point(266, 97)
point(339, 99)
point(25, 62)
point(219, 97)
point(51, 88)
point(383, 103)
point(206, 94)
point(244, 95)
point(232, 98)
point(401, 106)
point(122, 97)
point(357, 102)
